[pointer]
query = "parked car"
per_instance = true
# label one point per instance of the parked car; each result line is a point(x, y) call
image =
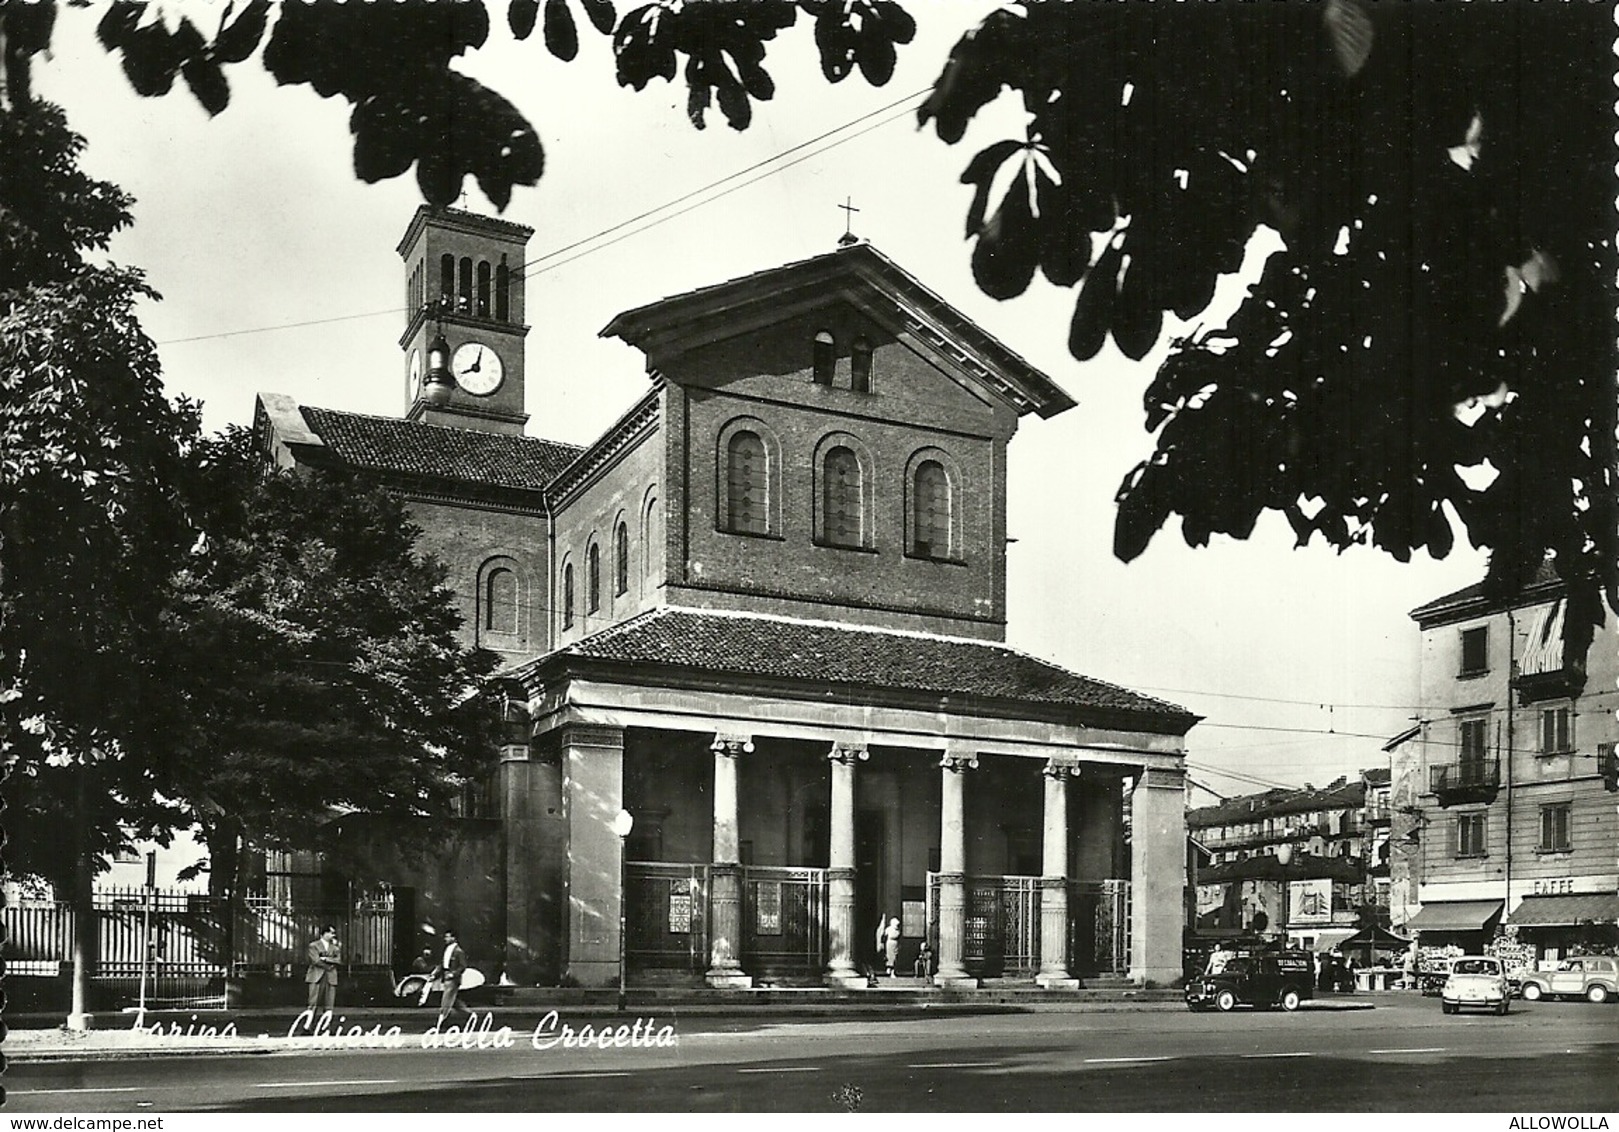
point(1263, 979)
point(1591, 977)
point(1475, 980)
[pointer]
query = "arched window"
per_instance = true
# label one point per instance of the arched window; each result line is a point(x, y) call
point(500, 601)
point(567, 596)
point(446, 279)
point(930, 498)
point(593, 578)
point(860, 366)
point(621, 559)
point(747, 478)
point(503, 283)
point(841, 498)
point(825, 357)
point(463, 293)
point(483, 288)
point(651, 540)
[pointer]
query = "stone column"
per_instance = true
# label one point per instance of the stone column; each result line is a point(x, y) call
point(535, 841)
point(725, 874)
point(1054, 880)
point(592, 773)
point(1157, 874)
point(953, 871)
point(840, 871)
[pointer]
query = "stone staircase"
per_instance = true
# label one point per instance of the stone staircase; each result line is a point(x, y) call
point(681, 989)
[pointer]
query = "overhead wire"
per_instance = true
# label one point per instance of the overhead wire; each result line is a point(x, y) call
point(773, 161)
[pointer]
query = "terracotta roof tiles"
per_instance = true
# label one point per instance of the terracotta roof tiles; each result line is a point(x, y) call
point(411, 448)
point(822, 653)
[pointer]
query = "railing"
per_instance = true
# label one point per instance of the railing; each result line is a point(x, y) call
point(666, 916)
point(1099, 927)
point(1001, 932)
point(1466, 775)
point(194, 943)
point(784, 919)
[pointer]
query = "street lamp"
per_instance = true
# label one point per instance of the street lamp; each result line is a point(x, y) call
point(622, 824)
point(1284, 858)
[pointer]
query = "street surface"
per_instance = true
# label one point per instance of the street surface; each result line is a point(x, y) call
point(1402, 1056)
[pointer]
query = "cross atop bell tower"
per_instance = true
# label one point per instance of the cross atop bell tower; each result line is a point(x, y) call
point(464, 328)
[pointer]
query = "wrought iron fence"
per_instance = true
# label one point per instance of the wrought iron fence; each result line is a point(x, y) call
point(189, 942)
point(1099, 927)
point(1001, 933)
point(784, 919)
point(666, 916)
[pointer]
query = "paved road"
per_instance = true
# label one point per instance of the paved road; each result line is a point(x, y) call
point(1402, 1056)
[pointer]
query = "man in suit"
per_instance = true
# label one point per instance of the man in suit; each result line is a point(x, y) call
point(322, 976)
point(452, 965)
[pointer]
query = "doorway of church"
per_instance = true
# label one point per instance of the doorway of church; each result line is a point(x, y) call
point(871, 900)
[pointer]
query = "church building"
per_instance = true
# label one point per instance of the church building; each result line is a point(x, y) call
point(760, 698)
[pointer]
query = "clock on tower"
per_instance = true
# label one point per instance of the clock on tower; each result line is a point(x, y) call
point(464, 292)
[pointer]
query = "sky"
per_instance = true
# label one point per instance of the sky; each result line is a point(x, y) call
point(278, 273)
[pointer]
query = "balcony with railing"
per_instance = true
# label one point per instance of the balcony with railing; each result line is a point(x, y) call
point(1471, 780)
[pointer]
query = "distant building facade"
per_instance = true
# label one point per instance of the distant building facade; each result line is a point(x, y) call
point(1505, 795)
point(762, 617)
point(1335, 877)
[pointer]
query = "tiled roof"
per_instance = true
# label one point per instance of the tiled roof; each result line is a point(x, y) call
point(1278, 803)
point(822, 653)
point(411, 448)
point(1545, 574)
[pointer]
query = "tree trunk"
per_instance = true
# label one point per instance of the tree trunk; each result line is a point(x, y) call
point(85, 929)
point(224, 841)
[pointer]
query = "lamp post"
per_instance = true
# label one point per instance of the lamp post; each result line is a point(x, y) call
point(622, 824)
point(1284, 858)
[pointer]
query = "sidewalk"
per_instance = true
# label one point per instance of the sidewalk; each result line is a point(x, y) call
point(265, 1031)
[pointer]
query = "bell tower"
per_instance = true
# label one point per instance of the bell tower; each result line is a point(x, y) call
point(464, 328)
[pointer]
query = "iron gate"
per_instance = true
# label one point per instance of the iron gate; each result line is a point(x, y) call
point(1001, 935)
point(1099, 927)
point(666, 916)
point(784, 920)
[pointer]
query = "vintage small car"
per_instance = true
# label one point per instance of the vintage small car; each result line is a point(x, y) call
point(1478, 981)
point(1594, 978)
point(1262, 979)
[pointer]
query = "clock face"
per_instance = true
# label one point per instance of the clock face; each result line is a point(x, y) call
point(414, 372)
point(477, 368)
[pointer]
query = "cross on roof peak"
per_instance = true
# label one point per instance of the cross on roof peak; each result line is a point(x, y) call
point(848, 236)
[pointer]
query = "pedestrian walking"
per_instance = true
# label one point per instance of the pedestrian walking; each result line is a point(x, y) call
point(889, 938)
point(324, 956)
point(452, 965)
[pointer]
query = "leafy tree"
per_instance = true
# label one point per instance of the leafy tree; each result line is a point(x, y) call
point(1437, 173)
point(90, 520)
point(315, 660)
point(1434, 339)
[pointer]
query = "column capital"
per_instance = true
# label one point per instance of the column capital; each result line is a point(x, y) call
point(958, 762)
point(731, 744)
point(848, 753)
point(1060, 770)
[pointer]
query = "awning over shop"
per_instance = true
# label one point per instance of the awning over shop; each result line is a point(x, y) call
point(1325, 938)
point(1380, 938)
point(1454, 915)
point(1557, 911)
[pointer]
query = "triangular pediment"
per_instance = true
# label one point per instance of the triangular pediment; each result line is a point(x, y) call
point(862, 277)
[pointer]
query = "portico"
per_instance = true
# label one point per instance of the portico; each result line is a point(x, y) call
point(777, 825)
